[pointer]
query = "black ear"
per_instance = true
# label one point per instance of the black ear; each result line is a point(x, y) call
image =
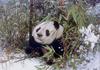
point(56, 24)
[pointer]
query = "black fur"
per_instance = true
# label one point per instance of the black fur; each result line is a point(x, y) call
point(38, 29)
point(34, 47)
point(58, 47)
point(37, 47)
point(47, 33)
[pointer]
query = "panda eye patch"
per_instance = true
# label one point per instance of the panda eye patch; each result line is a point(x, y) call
point(38, 29)
point(47, 33)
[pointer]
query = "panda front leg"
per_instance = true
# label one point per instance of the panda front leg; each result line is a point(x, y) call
point(57, 45)
point(58, 48)
point(34, 49)
point(34, 52)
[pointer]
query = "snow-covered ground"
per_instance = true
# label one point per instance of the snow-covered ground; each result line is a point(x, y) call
point(21, 65)
point(93, 58)
point(93, 64)
point(94, 10)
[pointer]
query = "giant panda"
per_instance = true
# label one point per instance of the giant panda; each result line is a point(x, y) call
point(46, 33)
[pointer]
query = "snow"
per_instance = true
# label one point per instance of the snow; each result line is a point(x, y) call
point(89, 35)
point(94, 59)
point(28, 64)
point(94, 63)
point(94, 10)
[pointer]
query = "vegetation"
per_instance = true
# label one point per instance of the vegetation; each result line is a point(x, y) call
point(14, 27)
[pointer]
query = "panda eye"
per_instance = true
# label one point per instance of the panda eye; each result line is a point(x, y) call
point(47, 33)
point(38, 29)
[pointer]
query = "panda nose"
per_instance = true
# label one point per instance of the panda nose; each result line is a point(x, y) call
point(39, 35)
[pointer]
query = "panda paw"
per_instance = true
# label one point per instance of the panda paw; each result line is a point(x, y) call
point(34, 52)
point(28, 50)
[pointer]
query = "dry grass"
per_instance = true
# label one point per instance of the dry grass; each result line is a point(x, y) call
point(14, 29)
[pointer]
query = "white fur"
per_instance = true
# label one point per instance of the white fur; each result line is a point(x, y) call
point(47, 25)
point(59, 32)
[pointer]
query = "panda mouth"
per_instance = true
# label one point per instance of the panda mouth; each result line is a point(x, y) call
point(40, 40)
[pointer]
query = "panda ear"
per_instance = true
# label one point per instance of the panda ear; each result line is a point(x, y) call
point(56, 24)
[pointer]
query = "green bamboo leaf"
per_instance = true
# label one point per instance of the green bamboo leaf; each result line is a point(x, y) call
point(78, 14)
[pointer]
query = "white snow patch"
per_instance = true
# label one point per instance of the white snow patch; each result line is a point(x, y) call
point(94, 63)
point(94, 10)
point(89, 35)
point(21, 65)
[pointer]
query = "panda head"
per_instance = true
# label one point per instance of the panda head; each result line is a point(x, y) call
point(47, 32)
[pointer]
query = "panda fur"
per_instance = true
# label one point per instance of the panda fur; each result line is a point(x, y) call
point(46, 33)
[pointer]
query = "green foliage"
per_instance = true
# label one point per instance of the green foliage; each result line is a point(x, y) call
point(77, 12)
point(15, 26)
